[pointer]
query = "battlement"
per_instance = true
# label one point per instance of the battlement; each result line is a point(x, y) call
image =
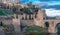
point(25, 16)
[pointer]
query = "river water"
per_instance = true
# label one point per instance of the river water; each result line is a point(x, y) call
point(46, 34)
point(53, 34)
point(24, 34)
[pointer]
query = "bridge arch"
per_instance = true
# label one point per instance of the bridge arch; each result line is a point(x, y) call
point(47, 24)
point(57, 28)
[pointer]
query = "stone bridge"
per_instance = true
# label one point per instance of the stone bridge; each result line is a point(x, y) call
point(52, 24)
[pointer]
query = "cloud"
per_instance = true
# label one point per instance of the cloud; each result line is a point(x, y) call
point(48, 2)
point(52, 12)
point(51, 3)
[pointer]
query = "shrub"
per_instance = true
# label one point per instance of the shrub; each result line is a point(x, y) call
point(8, 28)
point(35, 30)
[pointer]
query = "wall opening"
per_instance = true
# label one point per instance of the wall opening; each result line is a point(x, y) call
point(1, 24)
point(22, 25)
point(46, 24)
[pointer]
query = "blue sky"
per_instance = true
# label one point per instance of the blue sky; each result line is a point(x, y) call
point(52, 7)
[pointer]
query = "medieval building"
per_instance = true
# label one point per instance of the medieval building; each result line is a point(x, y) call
point(31, 18)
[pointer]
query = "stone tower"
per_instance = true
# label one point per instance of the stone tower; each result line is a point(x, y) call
point(40, 18)
point(16, 23)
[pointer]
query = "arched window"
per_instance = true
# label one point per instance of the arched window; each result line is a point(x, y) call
point(46, 24)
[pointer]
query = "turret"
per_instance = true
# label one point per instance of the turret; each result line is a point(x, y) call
point(41, 15)
point(40, 18)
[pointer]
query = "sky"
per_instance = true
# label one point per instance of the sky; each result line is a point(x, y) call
point(52, 7)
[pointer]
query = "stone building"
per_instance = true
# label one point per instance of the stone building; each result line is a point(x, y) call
point(38, 19)
point(29, 20)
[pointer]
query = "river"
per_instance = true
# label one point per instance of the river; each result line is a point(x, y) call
point(53, 34)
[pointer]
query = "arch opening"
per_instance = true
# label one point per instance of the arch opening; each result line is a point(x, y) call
point(46, 24)
point(58, 28)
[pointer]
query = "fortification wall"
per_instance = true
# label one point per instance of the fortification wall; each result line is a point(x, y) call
point(6, 22)
point(27, 22)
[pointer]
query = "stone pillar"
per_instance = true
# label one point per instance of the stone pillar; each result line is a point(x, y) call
point(31, 16)
point(28, 17)
point(16, 23)
point(19, 16)
point(51, 28)
point(24, 16)
point(15, 16)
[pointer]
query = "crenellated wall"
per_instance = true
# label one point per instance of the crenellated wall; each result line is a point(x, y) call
point(24, 19)
point(29, 20)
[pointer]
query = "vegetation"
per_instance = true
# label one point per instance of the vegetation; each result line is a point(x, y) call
point(2, 13)
point(9, 28)
point(35, 30)
point(5, 12)
point(1, 26)
point(29, 10)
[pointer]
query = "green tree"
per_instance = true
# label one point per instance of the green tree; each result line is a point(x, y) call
point(35, 30)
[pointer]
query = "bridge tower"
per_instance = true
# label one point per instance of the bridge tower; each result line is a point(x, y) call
point(39, 21)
